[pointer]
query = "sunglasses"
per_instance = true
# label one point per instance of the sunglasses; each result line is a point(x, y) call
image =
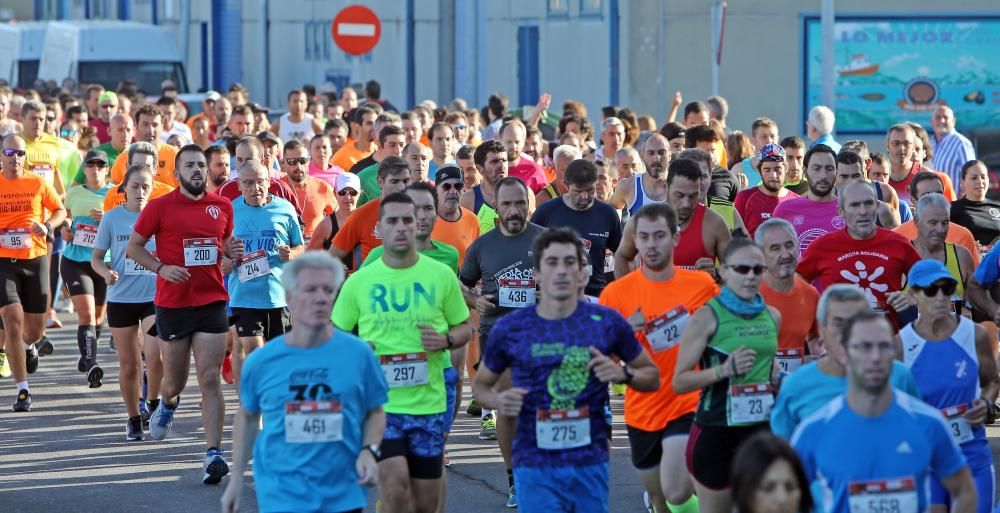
point(96, 163)
point(447, 186)
point(946, 286)
point(300, 160)
point(757, 270)
point(50, 119)
point(108, 106)
point(67, 133)
point(458, 127)
point(11, 153)
point(345, 192)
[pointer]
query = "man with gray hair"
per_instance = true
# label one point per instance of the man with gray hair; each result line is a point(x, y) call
point(628, 162)
point(794, 297)
point(718, 108)
point(819, 127)
point(305, 382)
point(250, 149)
point(612, 137)
point(817, 383)
point(931, 218)
point(561, 157)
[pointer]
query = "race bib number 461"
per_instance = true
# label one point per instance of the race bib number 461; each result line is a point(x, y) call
point(310, 422)
point(198, 252)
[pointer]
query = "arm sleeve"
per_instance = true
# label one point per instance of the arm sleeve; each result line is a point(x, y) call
point(496, 358)
point(988, 272)
point(347, 237)
point(783, 420)
point(149, 221)
point(616, 233)
point(801, 444)
point(51, 200)
point(455, 310)
point(807, 268)
point(103, 241)
point(345, 309)
point(626, 347)
point(470, 267)
point(294, 231)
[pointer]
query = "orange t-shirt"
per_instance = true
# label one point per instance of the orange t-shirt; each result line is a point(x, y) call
point(115, 198)
point(348, 155)
point(798, 313)
point(459, 233)
point(957, 234)
point(316, 200)
point(359, 232)
point(165, 155)
point(673, 303)
point(949, 188)
point(23, 200)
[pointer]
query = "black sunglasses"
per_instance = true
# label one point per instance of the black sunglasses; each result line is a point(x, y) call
point(300, 160)
point(946, 286)
point(97, 163)
point(345, 192)
point(447, 186)
point(11, 152)
point(747, 269)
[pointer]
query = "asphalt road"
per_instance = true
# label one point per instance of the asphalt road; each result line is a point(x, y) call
point(69, 453)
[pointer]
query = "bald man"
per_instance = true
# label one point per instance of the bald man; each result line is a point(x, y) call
point(646, 187)
point(951, 149)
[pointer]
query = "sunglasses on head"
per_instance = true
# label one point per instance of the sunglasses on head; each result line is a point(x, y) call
point(946, 286)
point(345, 192)
point(448, 186)
point(12, 152)
point(757, 270)
point(300, 160)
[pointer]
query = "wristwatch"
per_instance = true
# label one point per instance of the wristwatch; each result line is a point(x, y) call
point(374, 449)
point(628, 375)
point(451, 340)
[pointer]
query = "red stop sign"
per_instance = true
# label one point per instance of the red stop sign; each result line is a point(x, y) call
point(356, 29)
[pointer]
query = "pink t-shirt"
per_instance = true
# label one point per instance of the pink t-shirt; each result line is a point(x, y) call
point(755, 207)
point(811, 219)
point(327, 175)
point(531, 173)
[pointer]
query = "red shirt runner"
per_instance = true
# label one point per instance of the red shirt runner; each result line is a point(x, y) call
point(181, 226)
point(755, 207)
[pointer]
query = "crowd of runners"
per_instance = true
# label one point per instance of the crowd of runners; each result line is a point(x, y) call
point(795, 323)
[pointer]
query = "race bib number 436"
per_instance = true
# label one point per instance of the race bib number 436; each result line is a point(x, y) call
point(198, 252)
point(516, 293)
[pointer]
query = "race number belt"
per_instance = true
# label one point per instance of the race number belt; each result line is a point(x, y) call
point(15, 238)
point(253, 265)
point(959, 428)
point(85, 235)
point(404, 370)
point(133, 268)
point(665, 331)
point(883, 496)
point(789, 360)
point(516, 293)
point(199, 252)
point(750, 404)
point(562, 429)
point(310, 422)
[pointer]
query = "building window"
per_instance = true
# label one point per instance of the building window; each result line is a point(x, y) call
point(558, 8)
point(307, 43)
point(591, 8)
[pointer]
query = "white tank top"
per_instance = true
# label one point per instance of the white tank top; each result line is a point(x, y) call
point(302, 131)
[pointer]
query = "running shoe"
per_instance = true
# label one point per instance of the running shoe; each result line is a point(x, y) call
point(5, 371)
point(447, 462)
point(23, 402)
point(111, 343)
point(647, 502)
point(488, 428)
point(474, 409)
point(54, 323)
point(144, 414)
point(617, 389)
point(133, 429)
point(94, 376)
point(45, 346)
point(511, 498)
point(215, 467)
point(31, 359)
point(227, 369)
point(161, 420)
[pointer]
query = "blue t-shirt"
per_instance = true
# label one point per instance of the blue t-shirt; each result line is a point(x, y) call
point(549, 359)
point(263, 228)
point(947, 373)
point(988, 272)
point(599, 228)
point(135, 283)
point(79, 202)
point(910, 440)
point(809, 389)
point(310, 476)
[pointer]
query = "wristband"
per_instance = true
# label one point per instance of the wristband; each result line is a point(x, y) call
point(158, 268)
point(718, 372)
point(732, 363)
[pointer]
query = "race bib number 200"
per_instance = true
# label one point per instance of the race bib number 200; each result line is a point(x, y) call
point(198, 252)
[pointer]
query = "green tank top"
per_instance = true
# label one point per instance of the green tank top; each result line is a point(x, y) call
point(724, 209)
point(487, 219)
point(757, 333)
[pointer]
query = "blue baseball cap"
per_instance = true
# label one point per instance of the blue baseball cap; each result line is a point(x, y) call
point(924, 273)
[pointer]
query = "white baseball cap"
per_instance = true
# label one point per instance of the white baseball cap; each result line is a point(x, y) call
point(348, 181)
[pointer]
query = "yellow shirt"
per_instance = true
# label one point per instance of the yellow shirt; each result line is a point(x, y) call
point(43, 157)
point(164, 165)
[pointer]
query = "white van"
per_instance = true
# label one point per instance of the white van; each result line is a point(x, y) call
point(20, 49)
point(106, 52)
